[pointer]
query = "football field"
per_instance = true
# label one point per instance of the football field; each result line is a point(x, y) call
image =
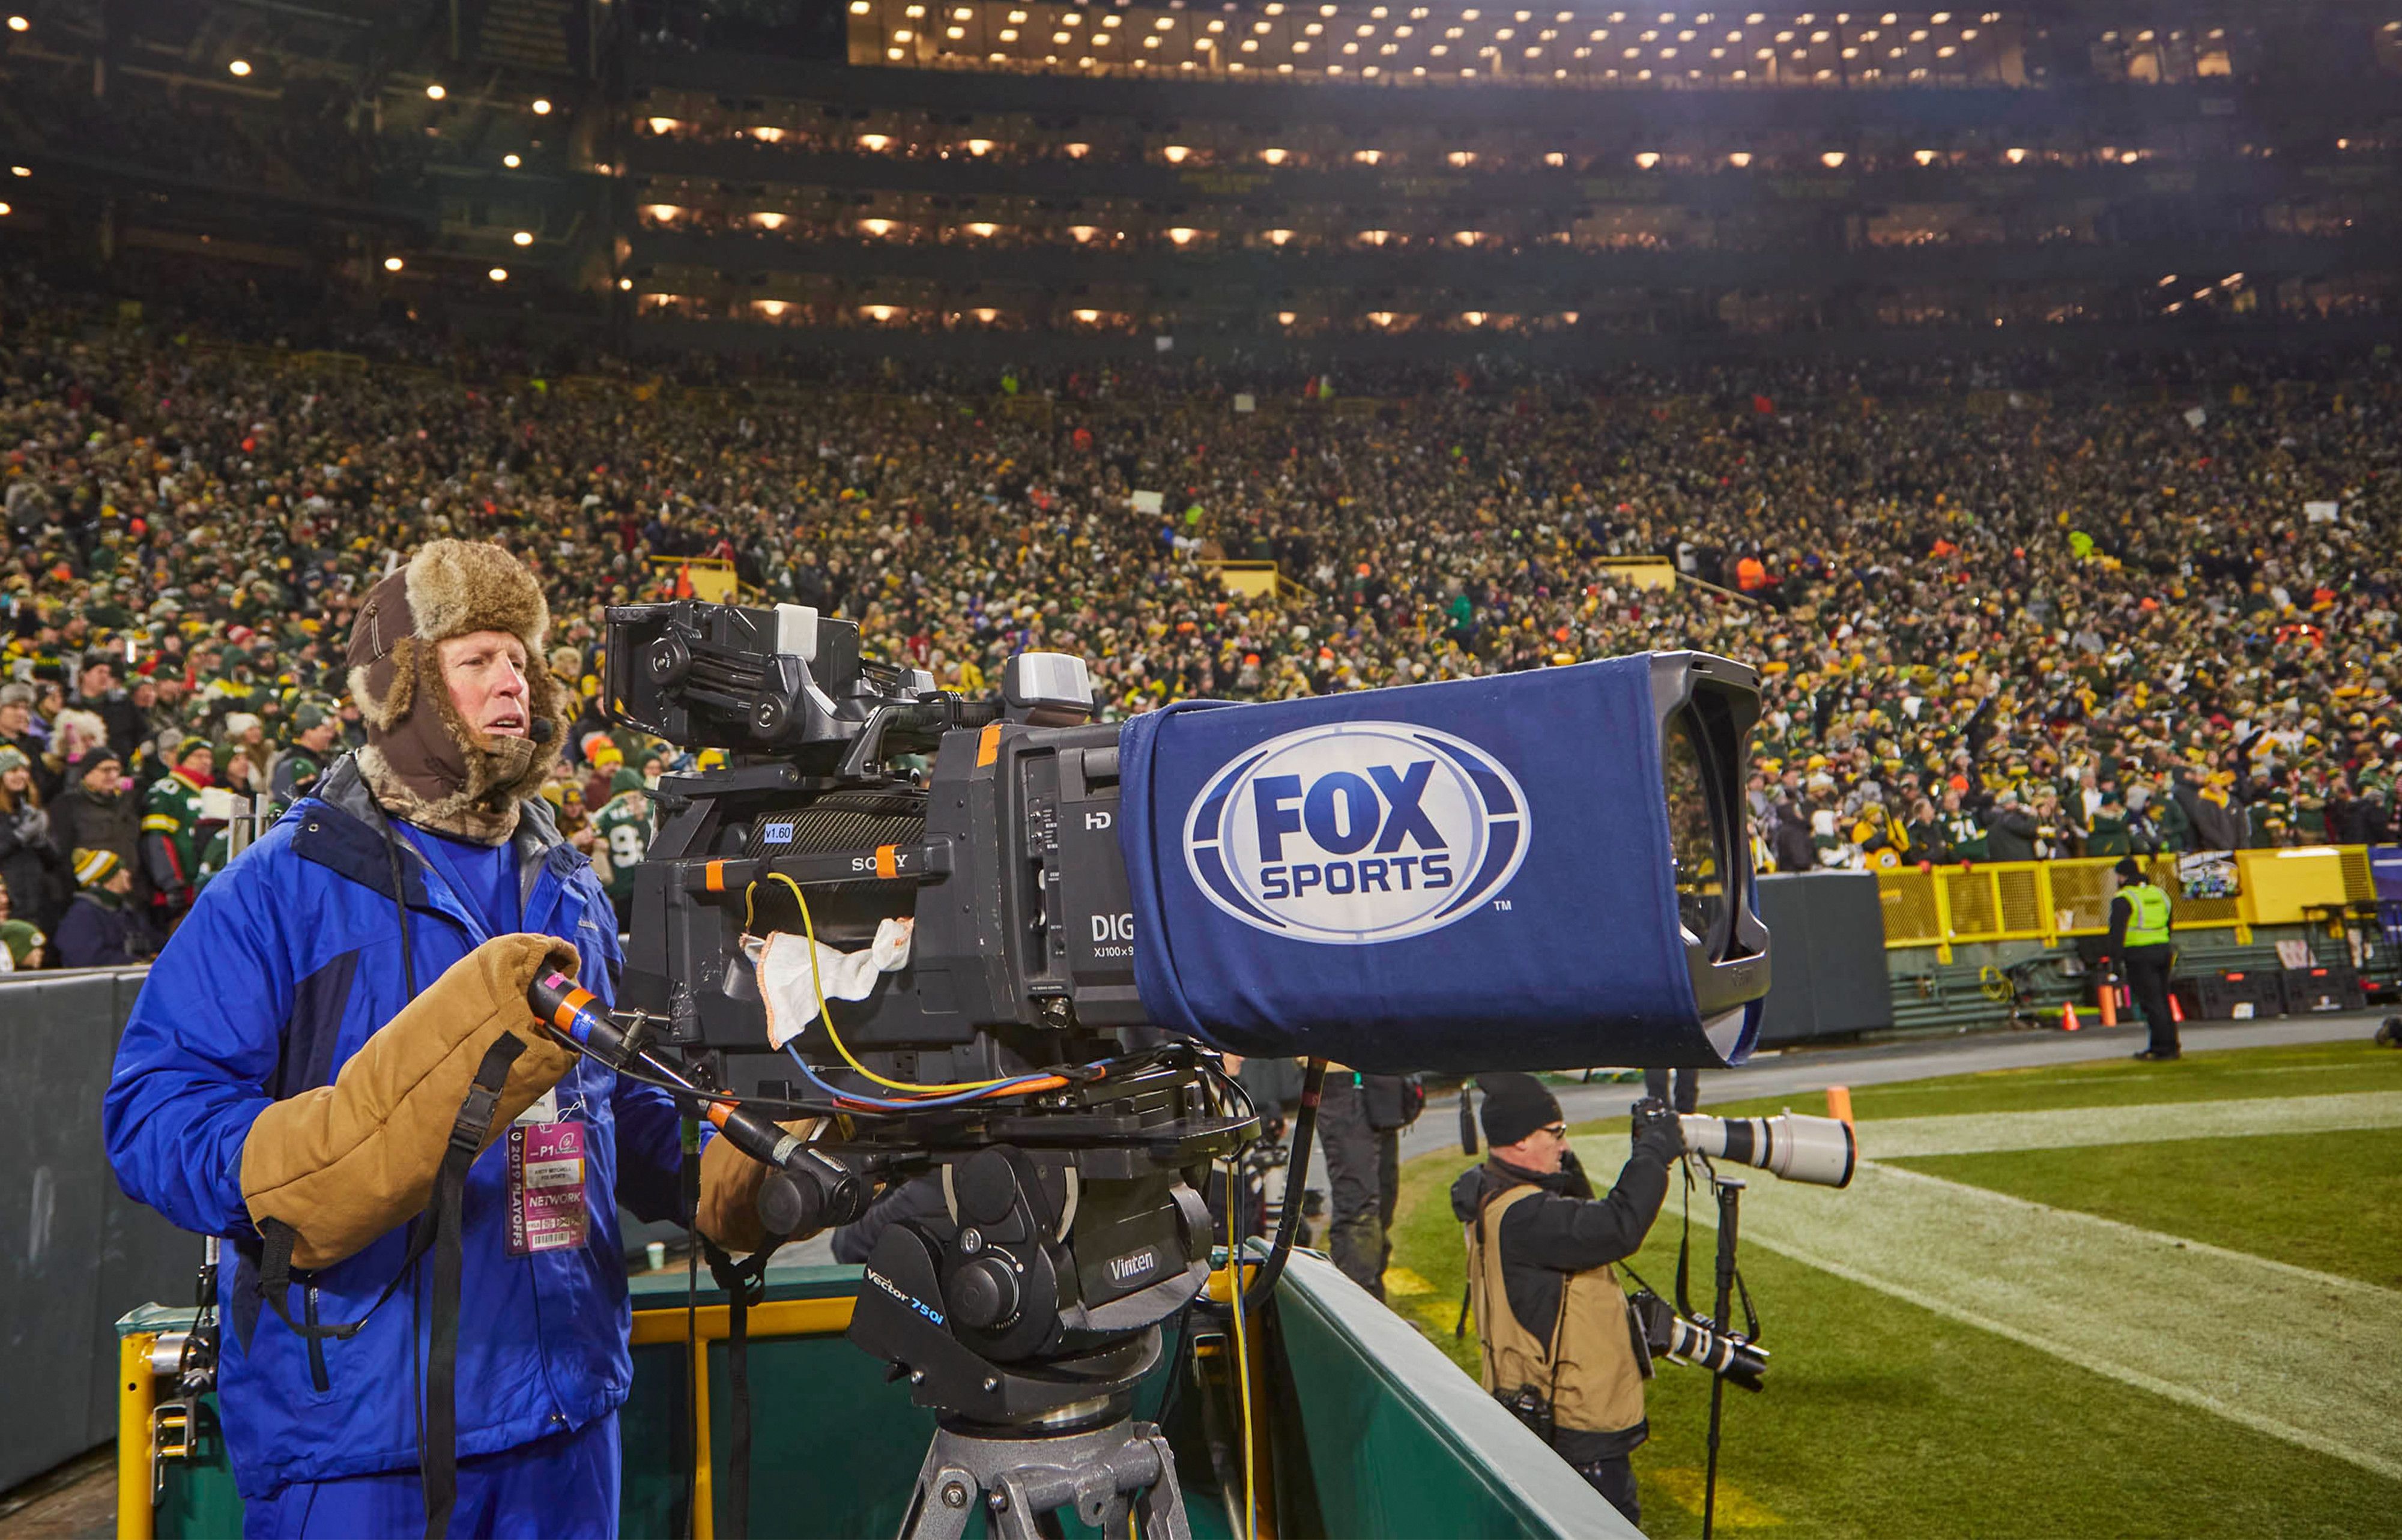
point(2106, 1298)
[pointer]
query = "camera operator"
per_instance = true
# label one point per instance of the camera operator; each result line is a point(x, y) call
point(1558, 1338)
point(345, 1004)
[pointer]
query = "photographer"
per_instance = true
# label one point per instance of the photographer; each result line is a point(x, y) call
point(1557, 1337)
point(344, 1006)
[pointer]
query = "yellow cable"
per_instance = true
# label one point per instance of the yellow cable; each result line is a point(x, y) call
point(1242, 1361)
point(825, 1013)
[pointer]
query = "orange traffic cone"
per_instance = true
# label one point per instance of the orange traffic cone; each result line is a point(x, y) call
point(2109, 997)
point(2068, 1021)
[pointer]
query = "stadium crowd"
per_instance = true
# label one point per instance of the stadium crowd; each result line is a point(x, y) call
point(1995, 621)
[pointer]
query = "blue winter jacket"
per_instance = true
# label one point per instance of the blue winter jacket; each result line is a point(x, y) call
point(287, 963)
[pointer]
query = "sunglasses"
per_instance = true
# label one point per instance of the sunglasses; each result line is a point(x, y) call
point(1557, 1131)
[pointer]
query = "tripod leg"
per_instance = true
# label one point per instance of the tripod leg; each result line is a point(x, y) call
point(945, 1497)
point(1163, 1500)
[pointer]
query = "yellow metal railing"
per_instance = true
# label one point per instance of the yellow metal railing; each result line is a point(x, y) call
point(1945, 906)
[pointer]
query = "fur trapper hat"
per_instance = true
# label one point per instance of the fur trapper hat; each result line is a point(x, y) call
point(421, 759)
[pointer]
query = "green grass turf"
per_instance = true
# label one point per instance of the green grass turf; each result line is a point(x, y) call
point(2332, 1202)
point(1883, 1419)
point(2314, 1069)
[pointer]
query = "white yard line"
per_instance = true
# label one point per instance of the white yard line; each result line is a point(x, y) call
point(2298, 1356)
point(2062, 1128)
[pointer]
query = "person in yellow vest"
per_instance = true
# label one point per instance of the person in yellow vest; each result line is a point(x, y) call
point(2139, 939)
point(1557, 1335)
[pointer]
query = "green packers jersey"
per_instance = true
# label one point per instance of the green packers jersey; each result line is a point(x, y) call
point(624, 826)
point(172, 809)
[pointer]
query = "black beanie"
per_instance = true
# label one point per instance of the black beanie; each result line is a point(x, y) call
point(1514, 1107)
point(2130, 868)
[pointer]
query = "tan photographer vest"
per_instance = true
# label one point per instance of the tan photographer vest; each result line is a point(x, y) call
point(1587, 1371)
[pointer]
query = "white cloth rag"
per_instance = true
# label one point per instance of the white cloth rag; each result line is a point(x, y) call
point(781, 965)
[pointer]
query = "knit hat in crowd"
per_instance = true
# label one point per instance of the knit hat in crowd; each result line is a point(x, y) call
point(12, 758)
point(1514, 1107)
point(93, 868)
point(422, 760)
point(187, 746)
point(20, 937)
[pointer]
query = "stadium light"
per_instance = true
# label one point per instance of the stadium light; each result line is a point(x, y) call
point(523, 238)
point(1474, 318)
point(1647, 159)
point(1833, 159)
point(979, 147)
point(499, 275)
point(1183, 235)
point(433, 92)
point(1285, 318)
point(875, 143)
point(1276, 238)
point(1177, 154)
point(20, 170)
point(541, 107)
point(625, 283)
point(18, 23)
point(6, 210)
point(1274, 157)
point(1739, 158)
point(393, 264)
point(1925, 158)
point(1078, 151)
point(239, 68)
point(511, 160)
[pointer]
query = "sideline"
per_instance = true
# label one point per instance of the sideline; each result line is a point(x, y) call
point(2286, 1351)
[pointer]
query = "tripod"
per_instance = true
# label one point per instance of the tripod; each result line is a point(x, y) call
point(1730, 1192)
point(1114, 1470)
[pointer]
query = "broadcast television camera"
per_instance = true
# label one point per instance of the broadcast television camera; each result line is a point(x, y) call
point(1086, 903)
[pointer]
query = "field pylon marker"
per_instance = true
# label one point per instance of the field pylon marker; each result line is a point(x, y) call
point(2068, 1021)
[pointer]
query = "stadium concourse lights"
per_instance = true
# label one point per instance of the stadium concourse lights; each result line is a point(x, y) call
point(238, 68)
point(541, 107)
point(18, 23)
point(6, 210)
point(434, 91)
point(511, 160)
point(393, 264)
point(523, 238)
point(498, 275)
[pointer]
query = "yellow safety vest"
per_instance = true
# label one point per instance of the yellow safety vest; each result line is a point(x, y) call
point(2147, 920)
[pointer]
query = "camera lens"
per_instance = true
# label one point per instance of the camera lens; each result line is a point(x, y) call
point(1693, 838)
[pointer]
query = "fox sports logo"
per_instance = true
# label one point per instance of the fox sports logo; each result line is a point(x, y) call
point(1355, 833)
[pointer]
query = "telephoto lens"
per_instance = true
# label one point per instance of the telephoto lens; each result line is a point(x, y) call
point(1794, 1145)
point(1669, 1335)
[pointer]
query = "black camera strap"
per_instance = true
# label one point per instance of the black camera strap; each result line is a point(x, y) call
point(745, 1283)
point(440, 1231)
